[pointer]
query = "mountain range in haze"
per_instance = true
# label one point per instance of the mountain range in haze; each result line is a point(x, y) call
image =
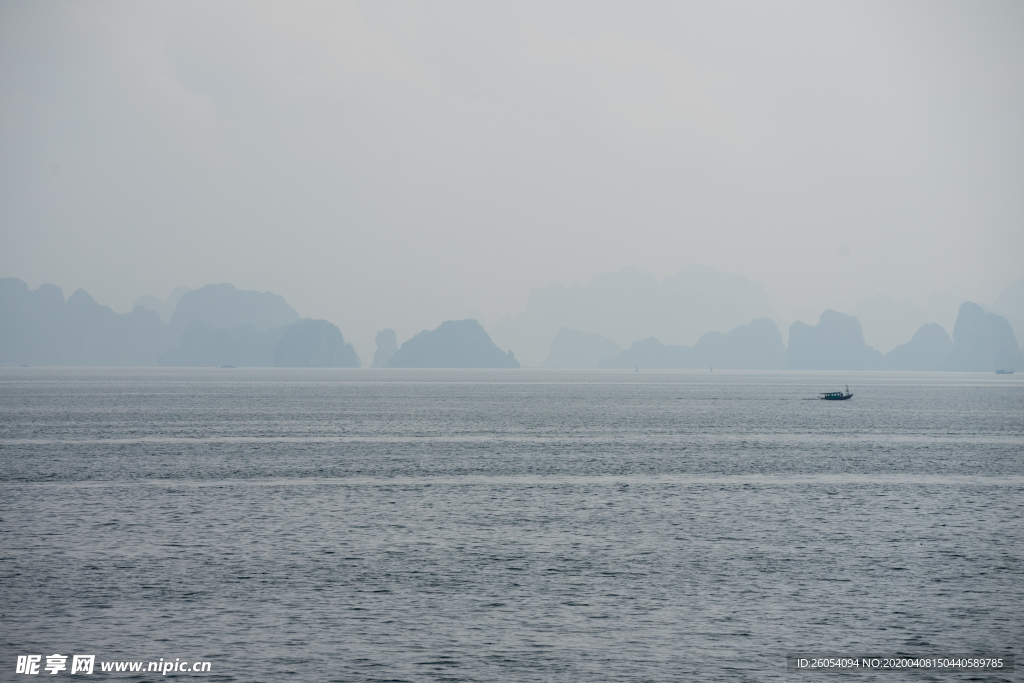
point(214, 325)
point(695, 319)
point(630, 304)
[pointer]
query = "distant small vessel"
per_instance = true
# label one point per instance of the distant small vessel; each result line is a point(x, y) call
point(1005, 372)
point(836, 395)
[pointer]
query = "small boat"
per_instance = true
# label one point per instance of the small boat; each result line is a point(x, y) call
point(836, 395)
point(1005, 372)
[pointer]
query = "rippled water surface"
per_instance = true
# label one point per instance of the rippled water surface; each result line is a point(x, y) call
point(363, 525)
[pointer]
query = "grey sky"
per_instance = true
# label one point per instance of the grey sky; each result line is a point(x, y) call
point(395, 165)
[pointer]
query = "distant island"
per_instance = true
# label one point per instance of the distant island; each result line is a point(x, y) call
point(982, 342)
point(454, 344)
point(314, 344)
point(38, 327)
point(754, 346)
point(213, 326)
point(218, 325)
point(387, 345)
point(835, 343)
point(224, 307)
point(631, 304)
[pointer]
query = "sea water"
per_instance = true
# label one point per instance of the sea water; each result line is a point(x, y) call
point(520, 525)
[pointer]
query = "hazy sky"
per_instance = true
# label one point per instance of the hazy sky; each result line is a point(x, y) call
point(390, 164)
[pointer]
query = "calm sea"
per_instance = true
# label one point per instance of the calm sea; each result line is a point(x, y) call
point(364, 525)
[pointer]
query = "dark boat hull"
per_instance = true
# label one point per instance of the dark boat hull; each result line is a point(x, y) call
point(841, 397)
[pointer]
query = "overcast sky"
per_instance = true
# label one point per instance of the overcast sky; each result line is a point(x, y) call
point(390, 164)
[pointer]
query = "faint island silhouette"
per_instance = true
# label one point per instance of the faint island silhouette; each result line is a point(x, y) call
point(575, 349)
point(983, 342)
point(314, 344)
point(455, 344)
point(203, 345)
point(38, 327)
point(835, 343)
point(165, 308)
point(218, 325)
point(222, 306)
point(929, 349)
point(305, 344)
point(387, 345)
point(630, 304)
point(754, 346)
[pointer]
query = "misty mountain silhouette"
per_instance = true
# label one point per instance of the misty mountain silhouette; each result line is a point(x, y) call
point(222, 306)
point(835, 343)
point(929, 349)
point(33, 324)
point(107, 338)
point(164, 308)
point(314, 344)
point(37, 327)
point(306, 344)
point(1010, 305)
point(203, 345)
point(575, 349)
point(387, 345)
point(631, 304)
point(651, 354)
point(455, 344)
point(887, 322)
point(983, 342)
point(754, 346)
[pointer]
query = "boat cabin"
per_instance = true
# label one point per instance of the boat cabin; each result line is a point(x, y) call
point(836, 395)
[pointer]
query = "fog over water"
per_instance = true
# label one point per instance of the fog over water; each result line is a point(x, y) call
point(482, 341)
point(387, 165)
